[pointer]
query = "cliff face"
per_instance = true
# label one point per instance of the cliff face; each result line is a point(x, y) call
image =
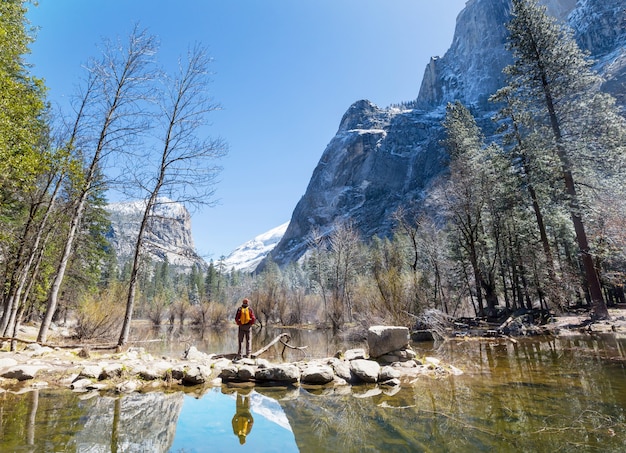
point(384, 158)
point(168, 237)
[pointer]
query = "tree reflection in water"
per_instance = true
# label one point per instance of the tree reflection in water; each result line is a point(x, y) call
point(566, 394)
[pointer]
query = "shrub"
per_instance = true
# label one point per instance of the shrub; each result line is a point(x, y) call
point(100, 315)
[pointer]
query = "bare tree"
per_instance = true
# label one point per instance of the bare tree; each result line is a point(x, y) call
point(108, 117)
point(344, 245)
point(185, 171)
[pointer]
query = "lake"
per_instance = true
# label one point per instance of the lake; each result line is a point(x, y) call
point(533, 395)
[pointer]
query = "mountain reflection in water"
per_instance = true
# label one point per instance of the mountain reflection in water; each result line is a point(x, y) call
point(533, 395)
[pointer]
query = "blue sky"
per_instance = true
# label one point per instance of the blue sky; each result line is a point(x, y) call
point(285, 72)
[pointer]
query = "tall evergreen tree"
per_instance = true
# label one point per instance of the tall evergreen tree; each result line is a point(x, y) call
point(551, 78)
point(465, 199)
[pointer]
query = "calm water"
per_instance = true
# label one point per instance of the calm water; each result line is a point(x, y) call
point(567, 394)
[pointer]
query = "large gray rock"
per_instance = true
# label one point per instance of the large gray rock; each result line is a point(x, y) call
point(366, 370)
point(317, 374)
point(384, 339)
point(229, 373)
point(353, 354)
point(246, 373)
point(196, 375)
point(384, 158)
point(280, 373)
point(91, 372)
point(388, 373)
point(156, 370)
point(342, 369)
point(22, 372)
point(81, 384)
point(111, 371)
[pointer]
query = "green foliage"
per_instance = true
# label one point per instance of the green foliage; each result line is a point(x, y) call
point(22, 107)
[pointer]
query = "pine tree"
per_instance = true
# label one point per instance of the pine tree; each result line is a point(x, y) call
point(551, 78)
point(465, 200)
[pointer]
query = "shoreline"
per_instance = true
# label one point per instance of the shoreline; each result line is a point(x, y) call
point(83, 370)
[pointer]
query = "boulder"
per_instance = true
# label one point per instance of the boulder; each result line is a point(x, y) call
point(228, 373)
point(317, 374)
point(342, 370)
point(111, 371)
point(387, 373)
point(81, 384)
point(22, 372)
point(365, 370)
point(402, 355)
point(196, 375)
point(127, 386)
point(91, 372)
point(246, 373)
point(353, 354)
point(382, 340)
point(281, 373)
point(193, 354)
point(155, 370)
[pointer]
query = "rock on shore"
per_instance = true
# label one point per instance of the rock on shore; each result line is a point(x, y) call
point(136, 370)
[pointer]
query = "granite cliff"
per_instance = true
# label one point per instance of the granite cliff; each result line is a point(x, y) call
point(384, 158)
point(169, 234)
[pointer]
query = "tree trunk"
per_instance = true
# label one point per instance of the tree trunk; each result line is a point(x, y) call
point(598, 306)
point(132, 288)
point(52, 302)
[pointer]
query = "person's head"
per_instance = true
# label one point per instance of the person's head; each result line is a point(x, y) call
point(245, 302)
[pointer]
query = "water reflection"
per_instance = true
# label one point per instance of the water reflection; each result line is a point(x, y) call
point(242, 420)
point(43, 420)
point(566, 394)
point(206, 424)
point(172, 341)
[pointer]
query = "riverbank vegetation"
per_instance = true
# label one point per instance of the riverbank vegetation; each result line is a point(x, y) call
point(531, 219)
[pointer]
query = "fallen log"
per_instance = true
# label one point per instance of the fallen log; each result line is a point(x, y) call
point(93, 346)
point(283, 338)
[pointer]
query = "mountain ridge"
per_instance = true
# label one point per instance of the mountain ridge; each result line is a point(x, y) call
point(384, 158)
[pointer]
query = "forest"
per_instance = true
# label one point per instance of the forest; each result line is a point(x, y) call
point(532, 216)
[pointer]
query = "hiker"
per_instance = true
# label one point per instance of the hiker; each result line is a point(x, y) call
point(244, 319)
point(242, 421)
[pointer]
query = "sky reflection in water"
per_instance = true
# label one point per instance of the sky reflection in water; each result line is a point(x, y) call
point(528, 395)
point(206, 424)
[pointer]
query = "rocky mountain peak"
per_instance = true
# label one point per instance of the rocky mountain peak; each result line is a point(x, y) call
point(169, 233)
point(384, 158)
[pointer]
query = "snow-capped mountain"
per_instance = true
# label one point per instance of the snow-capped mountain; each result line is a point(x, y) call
point(168, 236)
point(383, 158)
point(247, 256)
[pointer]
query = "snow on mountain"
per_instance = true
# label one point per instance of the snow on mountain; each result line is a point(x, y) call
point(247, 256)
point(168, 236)
point(385, 158)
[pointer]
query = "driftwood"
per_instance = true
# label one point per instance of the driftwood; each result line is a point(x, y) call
point(93, 346)
point(19, 340)
point(283, 338)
